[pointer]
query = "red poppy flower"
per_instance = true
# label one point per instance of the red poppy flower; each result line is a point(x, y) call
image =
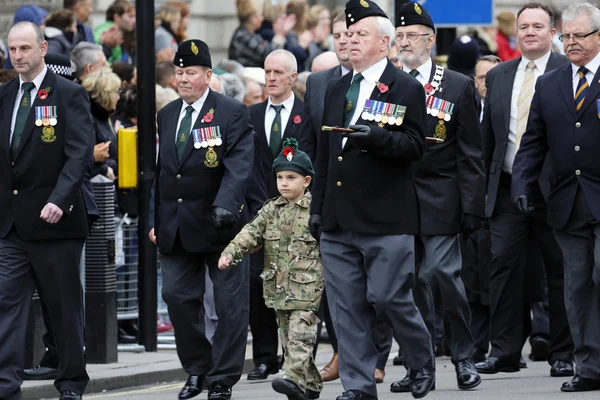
point(288, 150)
point(42, 94)
point(428, 87)
point(382, 87)
point(297, 119)
point(208, 117)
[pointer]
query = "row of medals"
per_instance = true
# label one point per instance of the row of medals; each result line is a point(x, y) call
point(384, 118)
point(46, 122)
point(208, 143)
point(435, 82)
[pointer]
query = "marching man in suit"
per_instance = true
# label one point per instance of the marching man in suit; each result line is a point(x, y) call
point(450, 184)
point(510, 87)
point(204, 167)
point(366, 208)
point(46, 147)
point(564, 122)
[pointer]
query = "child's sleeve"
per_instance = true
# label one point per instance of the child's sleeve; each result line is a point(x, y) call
point(250, 238)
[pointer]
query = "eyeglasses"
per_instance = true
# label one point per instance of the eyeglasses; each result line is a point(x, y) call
point(411, 37)
point(575, 36)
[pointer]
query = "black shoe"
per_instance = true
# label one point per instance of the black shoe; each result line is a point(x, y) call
point(126, 338)
point(40, 373)
point(539, 348)
point(561, 368)
point(219, 391)
point(579, 384)
point(398, 360)
point(466, 374)
point(402, 386)
point(522, 363)
point(69, 395)
point(478, 356)
point(289, 388)
point(312, 395)
point(262, 372)
point(422, 382)
point(493, 365)
point(355, 395)
point(192, 387)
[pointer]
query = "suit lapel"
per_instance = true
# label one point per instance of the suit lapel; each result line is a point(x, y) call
point(291, 126)
point(8, 104)
point(170, 130)
point(591, 95)
point(209, 103)
point(566, 87)
point(506, 91)
point(260, 112)
point(337, 105)
point(48, 85)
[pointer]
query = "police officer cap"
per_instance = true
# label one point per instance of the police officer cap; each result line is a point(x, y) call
point(191, 53)
point(292, 159)
point(413, 14)
point(359, 9)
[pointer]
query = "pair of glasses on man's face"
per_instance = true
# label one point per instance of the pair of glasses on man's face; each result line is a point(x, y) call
point(411, 36)
point(575, 36)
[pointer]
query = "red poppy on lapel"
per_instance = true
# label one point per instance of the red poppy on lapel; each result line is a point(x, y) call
point(382, 87)
point(42, 94)
point(208, 117)
point(428, 87)
point(297, 119)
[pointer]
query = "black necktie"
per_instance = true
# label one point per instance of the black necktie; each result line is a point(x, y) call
point(352, 98)
point(414, 73)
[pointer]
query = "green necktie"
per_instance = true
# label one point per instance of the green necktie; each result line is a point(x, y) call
point(414, 73)
point(22, 114)
point(352, 98)
point(275, 138)
point(184, 131)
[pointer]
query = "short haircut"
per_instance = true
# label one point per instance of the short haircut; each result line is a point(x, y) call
point(68, 4)
point(36, 28)
point(574, 11)
point(232, 66)
point(60, 19)
point(84, 54)
point(233, 86)
point(541, 6)
point(386, 28)
point(127, 103)
point(119, 7)
point(341, 17)
point(164, 71)
point(292, 63)
point(491, 59)
point(123, 70)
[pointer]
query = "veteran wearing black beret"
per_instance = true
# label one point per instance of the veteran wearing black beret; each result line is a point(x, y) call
point(204, 165)
point(364, 209)
point(450, 184)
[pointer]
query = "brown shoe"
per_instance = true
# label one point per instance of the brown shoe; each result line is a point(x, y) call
point(331, 371)
point(379, 375)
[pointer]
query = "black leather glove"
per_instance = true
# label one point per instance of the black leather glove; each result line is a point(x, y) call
point(470, 223)
point(223, 218)
point(362, 134)
point(314, 224)
point(523, 204)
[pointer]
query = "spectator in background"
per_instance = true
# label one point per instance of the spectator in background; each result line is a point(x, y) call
point(61, 32)
point(299, 36)
point(103, 88)
point(3, 52)
point(165, 75)
point(216, 84)
point(325, 61)
point(165, 42)
point(126, 72)
point(557, 45)
point(506, 38)
point(120, 18)
point(299, 87)
point(232, 67)
point(125, 115)
point(486, 39)
point(6, 75)
point(87, 57)
point(464, 55)
point(319, 25)
point(184, 9)
point(233, 86)
point(254, 92)
point(164, 95)
point(29, 13)
point(82, 9)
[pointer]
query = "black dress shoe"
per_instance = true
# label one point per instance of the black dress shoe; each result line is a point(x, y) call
point(478, 356)
point(126, 338)
point(539, 348)
point(40, 373)
point(398, 360)
point(466, 374)
point(192, 387)
point(289, 388)
point(355, 395)
point(493, 365)
point(422, 382)
point(219, 391)
point(579, 384)
point(561, 368)
point(262, 372)
point(69, 395)
point(312, 395)
point(522, 363)
point(403, 386)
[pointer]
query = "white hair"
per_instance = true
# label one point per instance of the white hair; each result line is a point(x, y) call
point(386, 28)
point(574, 11)
point(292, 64)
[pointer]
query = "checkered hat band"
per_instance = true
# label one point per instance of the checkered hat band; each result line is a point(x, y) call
point(60, 69)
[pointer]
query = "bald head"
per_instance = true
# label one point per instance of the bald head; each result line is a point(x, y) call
point(27, 48)
point(284, 58)
point(325, 61)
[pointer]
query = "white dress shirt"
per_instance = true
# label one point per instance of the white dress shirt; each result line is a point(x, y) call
point(424, 71)
point(511, 147)
point(367, 85)
point(198, 104)
point(481, 113)
point(270, 114)
point(37, 81)
point(344, 70)
point(592, 67)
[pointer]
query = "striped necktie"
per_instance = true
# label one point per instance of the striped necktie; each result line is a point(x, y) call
point(524, 101)
point(582, 88)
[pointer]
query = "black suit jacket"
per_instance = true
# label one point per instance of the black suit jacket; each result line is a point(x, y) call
point(450, 178)
point(46, 171)
point(314, 105)
point(570, 137)
point(495, 127)
point(186, 191)
point(292, 130)
point(369, 188)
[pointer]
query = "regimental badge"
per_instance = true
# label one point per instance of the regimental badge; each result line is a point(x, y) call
point(275, 127)
point(380, 124)
point(364, 4)
point(48, 135)
point(417, 9)
point(440, 130)
point(211, 158)
point(182, 138)
point(349, 106)
point(194, 49)
point(24, 102)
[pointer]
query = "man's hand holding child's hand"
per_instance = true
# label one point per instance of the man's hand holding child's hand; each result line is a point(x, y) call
point(224, 262)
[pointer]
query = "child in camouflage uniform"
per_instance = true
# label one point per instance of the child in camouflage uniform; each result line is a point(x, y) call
point(293, 274)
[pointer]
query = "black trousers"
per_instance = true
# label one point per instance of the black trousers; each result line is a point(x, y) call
point(263, 320)
point(53, 267)
point(511, 232)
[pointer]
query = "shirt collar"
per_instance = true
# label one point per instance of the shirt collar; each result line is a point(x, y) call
point(198, 103)
point(304, 202)
point(288, 104)
point(37, 81)
point(540, 63)
point(374, 72)
point(344, 70)
point(424, 69)
point(592, 66)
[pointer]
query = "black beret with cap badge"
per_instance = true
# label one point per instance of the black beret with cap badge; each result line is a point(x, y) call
point(412, 13)
point(191, 53)
point(359, 9)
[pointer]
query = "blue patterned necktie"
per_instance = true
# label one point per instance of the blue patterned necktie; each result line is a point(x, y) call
point(582, 88)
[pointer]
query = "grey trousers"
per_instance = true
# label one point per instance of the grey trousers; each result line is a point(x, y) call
point(365, 276)
point(210, 312)
point(580, 244)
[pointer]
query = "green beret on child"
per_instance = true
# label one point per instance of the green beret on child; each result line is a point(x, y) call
point(292, 159)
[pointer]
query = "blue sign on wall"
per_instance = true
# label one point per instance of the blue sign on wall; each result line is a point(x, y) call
point(460, 12)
